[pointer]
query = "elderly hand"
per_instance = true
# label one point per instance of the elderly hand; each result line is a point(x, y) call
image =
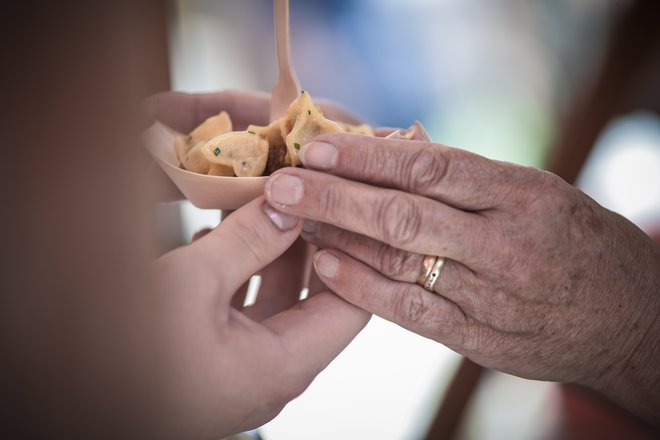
point(223, 371)
point(539, 280)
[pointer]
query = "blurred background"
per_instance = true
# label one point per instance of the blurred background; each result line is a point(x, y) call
point(556, 84)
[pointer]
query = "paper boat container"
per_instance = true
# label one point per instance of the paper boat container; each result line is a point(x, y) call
point(207, 192)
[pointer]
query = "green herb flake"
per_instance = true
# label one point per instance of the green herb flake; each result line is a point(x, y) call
point(251, 132)
point(217, 151)
point(297, 146)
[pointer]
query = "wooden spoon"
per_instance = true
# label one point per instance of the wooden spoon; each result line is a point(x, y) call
point(287, 87)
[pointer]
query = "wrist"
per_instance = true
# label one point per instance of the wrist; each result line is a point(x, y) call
point(631, 376)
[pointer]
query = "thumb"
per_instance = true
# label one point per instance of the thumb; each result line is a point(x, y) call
point(251, 238)
point(315, 332)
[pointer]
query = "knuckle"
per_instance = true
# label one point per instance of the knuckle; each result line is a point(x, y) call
point(551, 193)
point(428, 167)
point(408, 306)
point(365, 158)
point(399, 219)
point(396, 263)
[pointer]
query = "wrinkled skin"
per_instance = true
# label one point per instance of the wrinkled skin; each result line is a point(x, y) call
point(539, 281)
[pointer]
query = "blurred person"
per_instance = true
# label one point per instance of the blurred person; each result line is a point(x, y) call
point(101, 338)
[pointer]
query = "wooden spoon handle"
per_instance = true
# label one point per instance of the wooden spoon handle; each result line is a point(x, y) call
point(282, 38)
point(287, 87)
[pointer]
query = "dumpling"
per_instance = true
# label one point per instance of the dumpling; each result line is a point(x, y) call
point(278, 156)
point(189, 149)
point(245, 152)
point(272, 132)
point(363, 129)
point(302, 123)
point(210, 128)
point(195, 160)
point(213, 148)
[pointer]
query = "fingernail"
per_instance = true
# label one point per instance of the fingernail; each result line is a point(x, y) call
point(310, 226)
point(319, 155)
point(283, 221)
point(326, 264)
point(286, 189)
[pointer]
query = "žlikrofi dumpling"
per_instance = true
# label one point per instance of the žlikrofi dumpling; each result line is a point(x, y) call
point(213, 126)
point(272, 132)
point(245, 152)
point(277, 153)
point(195, 160)
point(214, 149)
point(302, 123)
point(188, 148)
point(363, 129)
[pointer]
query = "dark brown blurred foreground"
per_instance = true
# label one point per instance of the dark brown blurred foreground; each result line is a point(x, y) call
point(72, 76)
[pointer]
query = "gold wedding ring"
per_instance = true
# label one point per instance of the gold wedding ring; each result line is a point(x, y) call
point(431, 266)
point(427, 267)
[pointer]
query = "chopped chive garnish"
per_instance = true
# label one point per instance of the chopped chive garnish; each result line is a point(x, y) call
point(296, 145)
point(251, 132)
point(217, 151)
